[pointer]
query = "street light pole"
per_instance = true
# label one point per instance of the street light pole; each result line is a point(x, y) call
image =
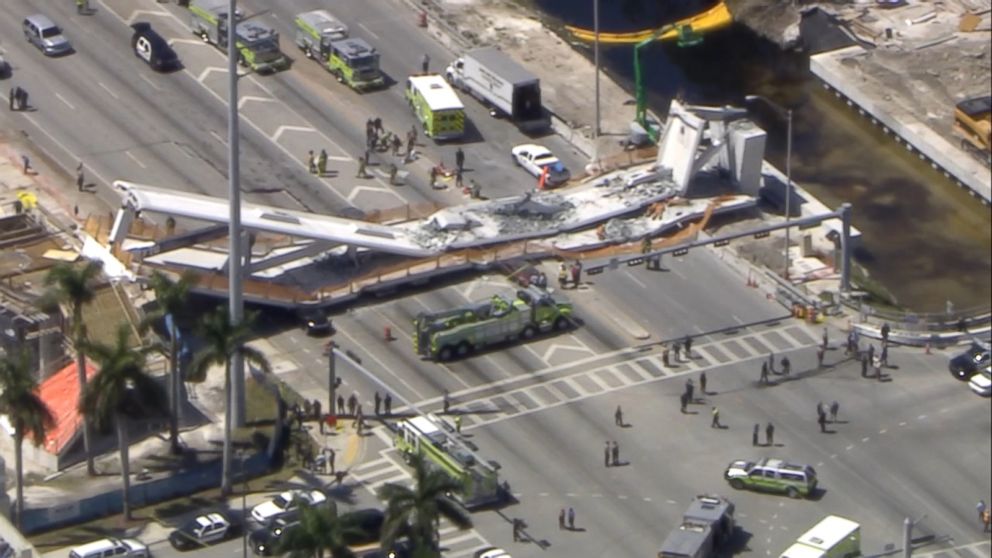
point(595, 50)
point(788, 169)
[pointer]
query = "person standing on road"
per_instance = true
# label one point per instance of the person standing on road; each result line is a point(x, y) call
point(871, 352)
point(562, 275)
point(378, 403)
point(665, 352)
point(615, 454)
point(786, 366)
point(352, 404)
point(322, 163)
point(25, 164)
point(425, 63)
point(684, 400)
point(447, 402)
point(458, 424)
point(561, 520)
point(819, 409)
point(884, 355)
point(834, 409)
point(340, 404)
point(876, 364)
point(387, 403)
point(677, 348)
point(825, 338)
point(819, 357)
point(576, 274)
point(822, 421)
point(754, 434)
point(864, 365)
point(460, 160)
point(981, 509)
point(571, 519)
point(311, 162)
point(702, 382)
point(986, 520)
point(329, 462)
point(885, 333)
point(618, 416)
point(80, 177)
point(715, 423)
point(606, 454)
point(688, 349)
point(12, 98)
point(764, 373)
point(770, 434)
point(690, 390)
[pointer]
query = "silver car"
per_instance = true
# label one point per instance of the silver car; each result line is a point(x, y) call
point(42, 32)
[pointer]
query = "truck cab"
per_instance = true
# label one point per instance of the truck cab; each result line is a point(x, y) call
point(707, 525)
point(355, 63)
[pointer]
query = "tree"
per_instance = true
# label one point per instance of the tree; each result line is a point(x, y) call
point(417, 510)
point(72, 286)
point(171, 298)
point(321, 530)
point(27, 413)
point(121, 392)
point(222, 340)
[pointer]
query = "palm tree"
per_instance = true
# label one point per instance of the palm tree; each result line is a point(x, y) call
point(171, 297)
point(419, 509)
point(120, 392)
point(25, 410)
point(222, 340)
point(321, 530)
point(72, 286)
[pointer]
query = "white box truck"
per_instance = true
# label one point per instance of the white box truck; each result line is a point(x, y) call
point(833, 537)
point(505, 86)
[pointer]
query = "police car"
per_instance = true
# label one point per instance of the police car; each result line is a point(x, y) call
point(201, 531)
point(152, 48)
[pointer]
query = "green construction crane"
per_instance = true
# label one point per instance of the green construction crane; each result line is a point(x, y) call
point(686, 38)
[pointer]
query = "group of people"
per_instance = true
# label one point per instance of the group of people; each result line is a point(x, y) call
point(676, 347)
point(568, 273)
point(18, 98)
point(317, 163)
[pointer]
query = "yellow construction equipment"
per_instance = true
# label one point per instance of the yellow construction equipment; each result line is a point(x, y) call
point(710, 20)
point(973, 123)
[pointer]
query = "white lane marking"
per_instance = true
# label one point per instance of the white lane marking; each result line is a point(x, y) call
point(648, 499)
point(848, 448)
point(150, 82)
point(218, 137)
point(206, 72)
point(135, 159)
point(636, 280)
point(115, 14)
point(902, 423)
point(883, 431)
point(108, 90)
point(921, 417)
point(369, 31)
point(246, 98)
point(61, 98)
point(279, 131)
point(865, 439)
point(197, 42)
point(136, 13)
point(622, 496)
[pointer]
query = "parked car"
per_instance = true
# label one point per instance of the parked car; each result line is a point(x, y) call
point(316, 322)
point(492, 552)
point(4, 67)
point(42, 32)
point(535, 158)
point(286, 502)
point(117, 548)
point(202, 531)
point(151, 47)
point(265, 539)
point(981, 383)
point(968, 363)
point(772, 475)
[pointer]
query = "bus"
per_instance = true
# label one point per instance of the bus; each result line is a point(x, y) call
point(436, 106)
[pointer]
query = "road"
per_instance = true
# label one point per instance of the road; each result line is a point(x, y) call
point(171, 130)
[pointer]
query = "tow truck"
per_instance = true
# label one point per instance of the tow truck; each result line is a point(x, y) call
point(460, 331)
point(257, 44)
point(427, 436)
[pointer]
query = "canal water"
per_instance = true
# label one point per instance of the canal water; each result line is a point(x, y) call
point(925, 240)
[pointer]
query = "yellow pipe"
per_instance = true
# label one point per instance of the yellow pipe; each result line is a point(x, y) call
point(712, 19)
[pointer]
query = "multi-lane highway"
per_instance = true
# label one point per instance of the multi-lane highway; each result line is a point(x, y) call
point(918, 444)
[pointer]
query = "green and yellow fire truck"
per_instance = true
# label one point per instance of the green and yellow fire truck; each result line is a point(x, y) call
point(353, 61)
point(436, 106)
point(424, 436)
point(257, 43)
point(458, 332)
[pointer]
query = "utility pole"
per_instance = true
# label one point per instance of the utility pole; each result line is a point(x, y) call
point(236, 246)
point(332, 384)
point(788, 189)
point(845, 247)
point(595, 51)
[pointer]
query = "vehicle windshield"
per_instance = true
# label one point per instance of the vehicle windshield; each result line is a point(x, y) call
point(266, 52)
point(280, 502)
point(191, 525)
point(50, 32)
point(363, 62)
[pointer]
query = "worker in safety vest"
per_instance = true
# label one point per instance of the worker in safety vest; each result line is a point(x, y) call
point(542, 179)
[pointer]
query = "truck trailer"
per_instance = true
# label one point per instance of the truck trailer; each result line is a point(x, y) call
point(833, 537)
point(506, 87)
point(460, 331)
point(707, 526)
point(257, 44)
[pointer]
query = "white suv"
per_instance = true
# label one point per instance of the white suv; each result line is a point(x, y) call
point(286, 503)
point(111, 548)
